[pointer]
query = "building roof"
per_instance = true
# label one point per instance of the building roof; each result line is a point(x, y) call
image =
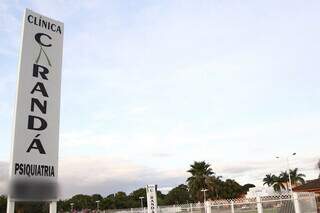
point(310, 186)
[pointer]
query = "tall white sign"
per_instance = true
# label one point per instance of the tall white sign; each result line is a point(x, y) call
point(152, 198)
point(34, 156)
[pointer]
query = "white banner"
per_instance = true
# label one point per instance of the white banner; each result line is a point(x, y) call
point(152, 198)
point(36, 127)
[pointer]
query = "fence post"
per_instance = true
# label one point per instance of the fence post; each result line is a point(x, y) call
point(232, 206)
point(259, 204)
point(296, 202)
point(191, 207)
point(208, 207)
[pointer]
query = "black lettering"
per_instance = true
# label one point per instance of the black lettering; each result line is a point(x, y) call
point(31, 123)
point(46, 171)
point(24, 169)
point(16, 168)
point(32, 170)
point(52, 171)
point(38, 39)
point(21, 169)
point(39, 170)
point(42, 166)
point(42, 70)
point(36, 144)
point(44, 24)
point(30, 18)
point(35, 21)
point(53, 27)
point(40, 88)
point(41, 107)
point(28, 169)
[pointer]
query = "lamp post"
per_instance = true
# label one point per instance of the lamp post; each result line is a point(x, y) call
point(98, 201)
point(204, 194)
point(141, 200)
point(71, 204)
point(288, 169)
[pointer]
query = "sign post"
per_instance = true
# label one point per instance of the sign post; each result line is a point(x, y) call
point(34, 155)
point(152, 198)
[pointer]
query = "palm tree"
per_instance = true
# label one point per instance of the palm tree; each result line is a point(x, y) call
point(296, 178)
point(215, 187)
point(278, 185)
point(201, 177)
point(275, 181)
point(284, 178)
point(269, 180)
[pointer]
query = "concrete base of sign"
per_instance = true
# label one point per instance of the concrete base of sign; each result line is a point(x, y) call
point(10, 206)
point(53, 207)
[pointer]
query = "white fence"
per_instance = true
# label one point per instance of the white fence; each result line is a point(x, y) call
point(284, 203)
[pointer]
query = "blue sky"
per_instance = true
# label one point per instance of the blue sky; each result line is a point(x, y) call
point(150, 86)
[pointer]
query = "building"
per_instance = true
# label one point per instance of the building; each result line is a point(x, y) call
point(260, 191)
point(309, 186)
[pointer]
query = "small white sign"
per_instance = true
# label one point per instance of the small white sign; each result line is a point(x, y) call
point(152, 198)
point(36, 126)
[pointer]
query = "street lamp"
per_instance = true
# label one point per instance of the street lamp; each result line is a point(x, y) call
point(288, 169)
point(71, 206)
point(98, 201)
point(204, 194)
point(141, 200)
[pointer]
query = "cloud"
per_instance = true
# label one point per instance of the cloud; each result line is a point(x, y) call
point(253, 171)
point(159, 85)
point(106, 175)
point(99, 174)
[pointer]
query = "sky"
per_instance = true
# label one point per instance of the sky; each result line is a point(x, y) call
point(149, 87)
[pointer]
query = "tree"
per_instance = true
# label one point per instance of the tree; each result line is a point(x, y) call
point(96, 197)
point(201, 177)
point(296, 178)
point(284, 178)
point(269, 180)
point(178, 195)
point(82, 201)
point(3, 203)
point(275, 181)
point(230, 189)
point(282, 181)
point(161, 198)
point(135, 197)
point(108, 203)
point(278, 184)
point(121, 200)
point(40, 207)
point(246, 187)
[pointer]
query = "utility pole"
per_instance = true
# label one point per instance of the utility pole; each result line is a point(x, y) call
point(204, 194)
point(288, 170)
point(71, 204)
point(98, 201)
point(141, 200)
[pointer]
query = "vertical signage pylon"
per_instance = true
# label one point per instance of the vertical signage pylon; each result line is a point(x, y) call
point(33, 168)
point(152, 198)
